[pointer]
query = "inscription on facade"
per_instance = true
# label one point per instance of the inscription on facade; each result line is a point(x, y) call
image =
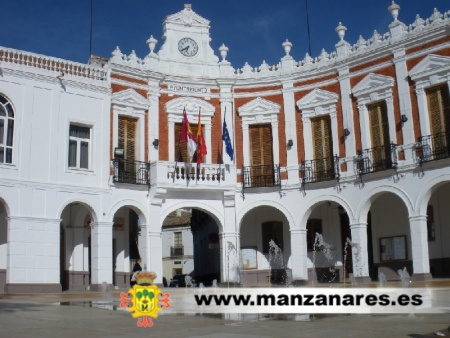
point(188, 89)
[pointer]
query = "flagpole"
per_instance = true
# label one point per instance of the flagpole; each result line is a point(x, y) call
point(178, 150)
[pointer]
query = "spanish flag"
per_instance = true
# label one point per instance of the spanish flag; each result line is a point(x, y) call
point(201, 146)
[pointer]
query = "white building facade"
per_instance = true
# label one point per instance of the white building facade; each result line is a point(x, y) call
point(341, 162)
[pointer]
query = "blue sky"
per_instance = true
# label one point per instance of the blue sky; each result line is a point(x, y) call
point(252, 30)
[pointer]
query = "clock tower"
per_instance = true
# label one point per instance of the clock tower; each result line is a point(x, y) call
point(186, 49)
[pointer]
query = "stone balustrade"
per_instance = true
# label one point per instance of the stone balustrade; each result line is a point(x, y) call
point(164, 173)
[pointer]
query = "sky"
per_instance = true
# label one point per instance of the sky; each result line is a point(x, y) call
point(252, 30)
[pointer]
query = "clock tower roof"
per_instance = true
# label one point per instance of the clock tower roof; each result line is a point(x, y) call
point(186, 46)
point(186, 17)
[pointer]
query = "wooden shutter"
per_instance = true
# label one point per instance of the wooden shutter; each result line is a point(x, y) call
point(379, 126)
point(379, 132)
point(322, 145)
point(439, 109)
point(181, 152)
point(322, 140)
point(127, 137)
point(261, 145)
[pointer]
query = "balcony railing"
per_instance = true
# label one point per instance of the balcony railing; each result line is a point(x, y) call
point(261, 176)
point(318, 170)
point(433, 147)
point(133, 172)
point(376, 159)
point(183, 175)
point(177, 250)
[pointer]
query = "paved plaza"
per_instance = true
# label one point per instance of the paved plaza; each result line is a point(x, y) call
point(90, 314)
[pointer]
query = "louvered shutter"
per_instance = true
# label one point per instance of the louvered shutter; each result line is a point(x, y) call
point(322, 145)
point(262, 170)
point(379, 132)
point(439, 112)
point(127, 137)
point(437, 123)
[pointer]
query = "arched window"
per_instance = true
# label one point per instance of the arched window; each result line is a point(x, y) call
point(6, 130)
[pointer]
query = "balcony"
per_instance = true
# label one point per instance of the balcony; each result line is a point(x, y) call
point(177, 250)
point(183, 175)
point(433, 147)
point(261, 176)
point(376, 159)
point(132, 172)
point(319, 170)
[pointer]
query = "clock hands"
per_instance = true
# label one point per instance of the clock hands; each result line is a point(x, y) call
point(185, 49)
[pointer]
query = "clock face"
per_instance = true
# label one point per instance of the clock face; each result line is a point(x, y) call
point(187, 47)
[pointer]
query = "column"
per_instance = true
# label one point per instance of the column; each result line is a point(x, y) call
point(307, 139)
point(334, 131)
point(359, 252)
point(364, 125)
point(246, 144)
point(276, 142)
point(231, 248)
point(226, 110)
point(33, 255)
point(299, 256)
point(153, 119)
point(290, 131)
point(207, 135)
point(154, 258)
point(172, 141)
point(419, 247)
point(401, 74)
point(143, 240)
point(230, 252)
point(101, 255)
point(347, 111)
point(422, 104)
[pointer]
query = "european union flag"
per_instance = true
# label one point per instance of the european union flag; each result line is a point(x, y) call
point(226, 138)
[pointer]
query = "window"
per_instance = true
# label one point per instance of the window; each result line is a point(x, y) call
point(6, 130)
point(323, 147)
point(127, 137)
point(177, 239)
point(430, 223)
point(79, 146)
point(262, 171)
point(313, 226)
point(379, 133)
point(272, 231)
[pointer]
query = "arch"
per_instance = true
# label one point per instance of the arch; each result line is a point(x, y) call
point(266, 203)
point(330, 198)
point(364, 205)
point(424, 197)
point(214, 213)
point(77, 200)
point(136, 206)
point(5, 204)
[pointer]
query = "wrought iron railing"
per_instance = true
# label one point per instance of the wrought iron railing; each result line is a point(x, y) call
point(376, 159)
point(177, 250)
point(433, 147)
point(261, 176)
point(318, 170)
point(134, 172)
